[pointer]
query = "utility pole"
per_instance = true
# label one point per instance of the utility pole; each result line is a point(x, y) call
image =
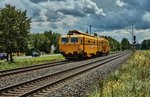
point(133, 39)
point(132, 34)
point(90, 29)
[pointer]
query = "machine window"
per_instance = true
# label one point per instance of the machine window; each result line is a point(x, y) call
point(81, 41)
point(93, 42)
point(74, 40)
point(64, 40)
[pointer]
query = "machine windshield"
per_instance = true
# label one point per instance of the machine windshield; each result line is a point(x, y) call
point(64, 40)
point(74, 40)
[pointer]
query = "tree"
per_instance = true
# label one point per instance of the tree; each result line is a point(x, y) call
point(56, 41)
point(53, 38)
point(145, 44)
point(114, 44)
point(43, 41)
point(14, 30)
point(87, 31)
point(95, 34)
point(125, 44)
point(49, 35)
point(39, 42)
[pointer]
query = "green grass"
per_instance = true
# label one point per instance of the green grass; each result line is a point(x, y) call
point(131, 80)
point(4, 65)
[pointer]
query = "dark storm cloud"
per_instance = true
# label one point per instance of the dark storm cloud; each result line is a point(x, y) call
point(118, 17)
point(53, 26)
point(73, 12)
point(135, 11)
point(77, 12)
point(37, 1)
point(54, 16)
point(33, 11)
point(138, 4)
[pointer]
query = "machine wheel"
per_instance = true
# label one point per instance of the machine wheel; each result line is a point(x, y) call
point(98, 53)
point(80, 57)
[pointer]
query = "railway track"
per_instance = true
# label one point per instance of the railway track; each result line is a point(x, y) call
point(39, 86)
point(32, 68)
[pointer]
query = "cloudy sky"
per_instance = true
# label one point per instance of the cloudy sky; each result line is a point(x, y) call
point(107, 17)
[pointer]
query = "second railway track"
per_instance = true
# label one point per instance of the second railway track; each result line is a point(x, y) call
point(35, 67)
point(33, 87)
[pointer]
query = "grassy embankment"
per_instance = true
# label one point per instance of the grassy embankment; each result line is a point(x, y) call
point(18, 63)
point(131, 80)
point(28, 62)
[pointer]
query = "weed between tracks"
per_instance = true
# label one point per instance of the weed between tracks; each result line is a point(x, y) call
point(28, 62)
point(131, 80)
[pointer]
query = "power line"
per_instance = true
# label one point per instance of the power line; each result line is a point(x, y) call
point(121, 26)
point(89, 9)
point(102, 20)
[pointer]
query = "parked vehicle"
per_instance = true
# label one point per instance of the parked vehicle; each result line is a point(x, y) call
point(3, 56)
point(35, 54)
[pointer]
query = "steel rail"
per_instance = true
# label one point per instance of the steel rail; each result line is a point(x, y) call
point(6, 90)
point(36, 67)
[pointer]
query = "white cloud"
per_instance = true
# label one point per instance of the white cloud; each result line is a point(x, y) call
point(120, 3)
point(117, 34)
point(40, 26)
point(82, 6)
point(140, 34)
point(146, 17)
point(43, 15)
point(61, 26)
point(92, 5)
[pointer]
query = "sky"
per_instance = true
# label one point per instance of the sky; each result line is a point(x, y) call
point(107, 17)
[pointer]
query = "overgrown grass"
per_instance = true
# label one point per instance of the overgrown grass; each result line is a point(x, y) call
point(131, 80)
point(28, 62)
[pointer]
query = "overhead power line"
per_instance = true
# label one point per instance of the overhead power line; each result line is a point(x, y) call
point(98, 26)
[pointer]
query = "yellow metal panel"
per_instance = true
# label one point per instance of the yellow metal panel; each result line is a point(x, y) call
point(92, 45)
point(69, 48)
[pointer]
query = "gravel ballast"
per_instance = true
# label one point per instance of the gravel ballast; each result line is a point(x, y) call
point(83, 85)
point(26, 76)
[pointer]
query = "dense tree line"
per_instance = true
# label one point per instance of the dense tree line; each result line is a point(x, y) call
point(42, 42)
point(114, 44)
point(145, 44)
point(125, 44)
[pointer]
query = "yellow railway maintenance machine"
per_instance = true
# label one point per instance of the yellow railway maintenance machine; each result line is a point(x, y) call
point(81, 45)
